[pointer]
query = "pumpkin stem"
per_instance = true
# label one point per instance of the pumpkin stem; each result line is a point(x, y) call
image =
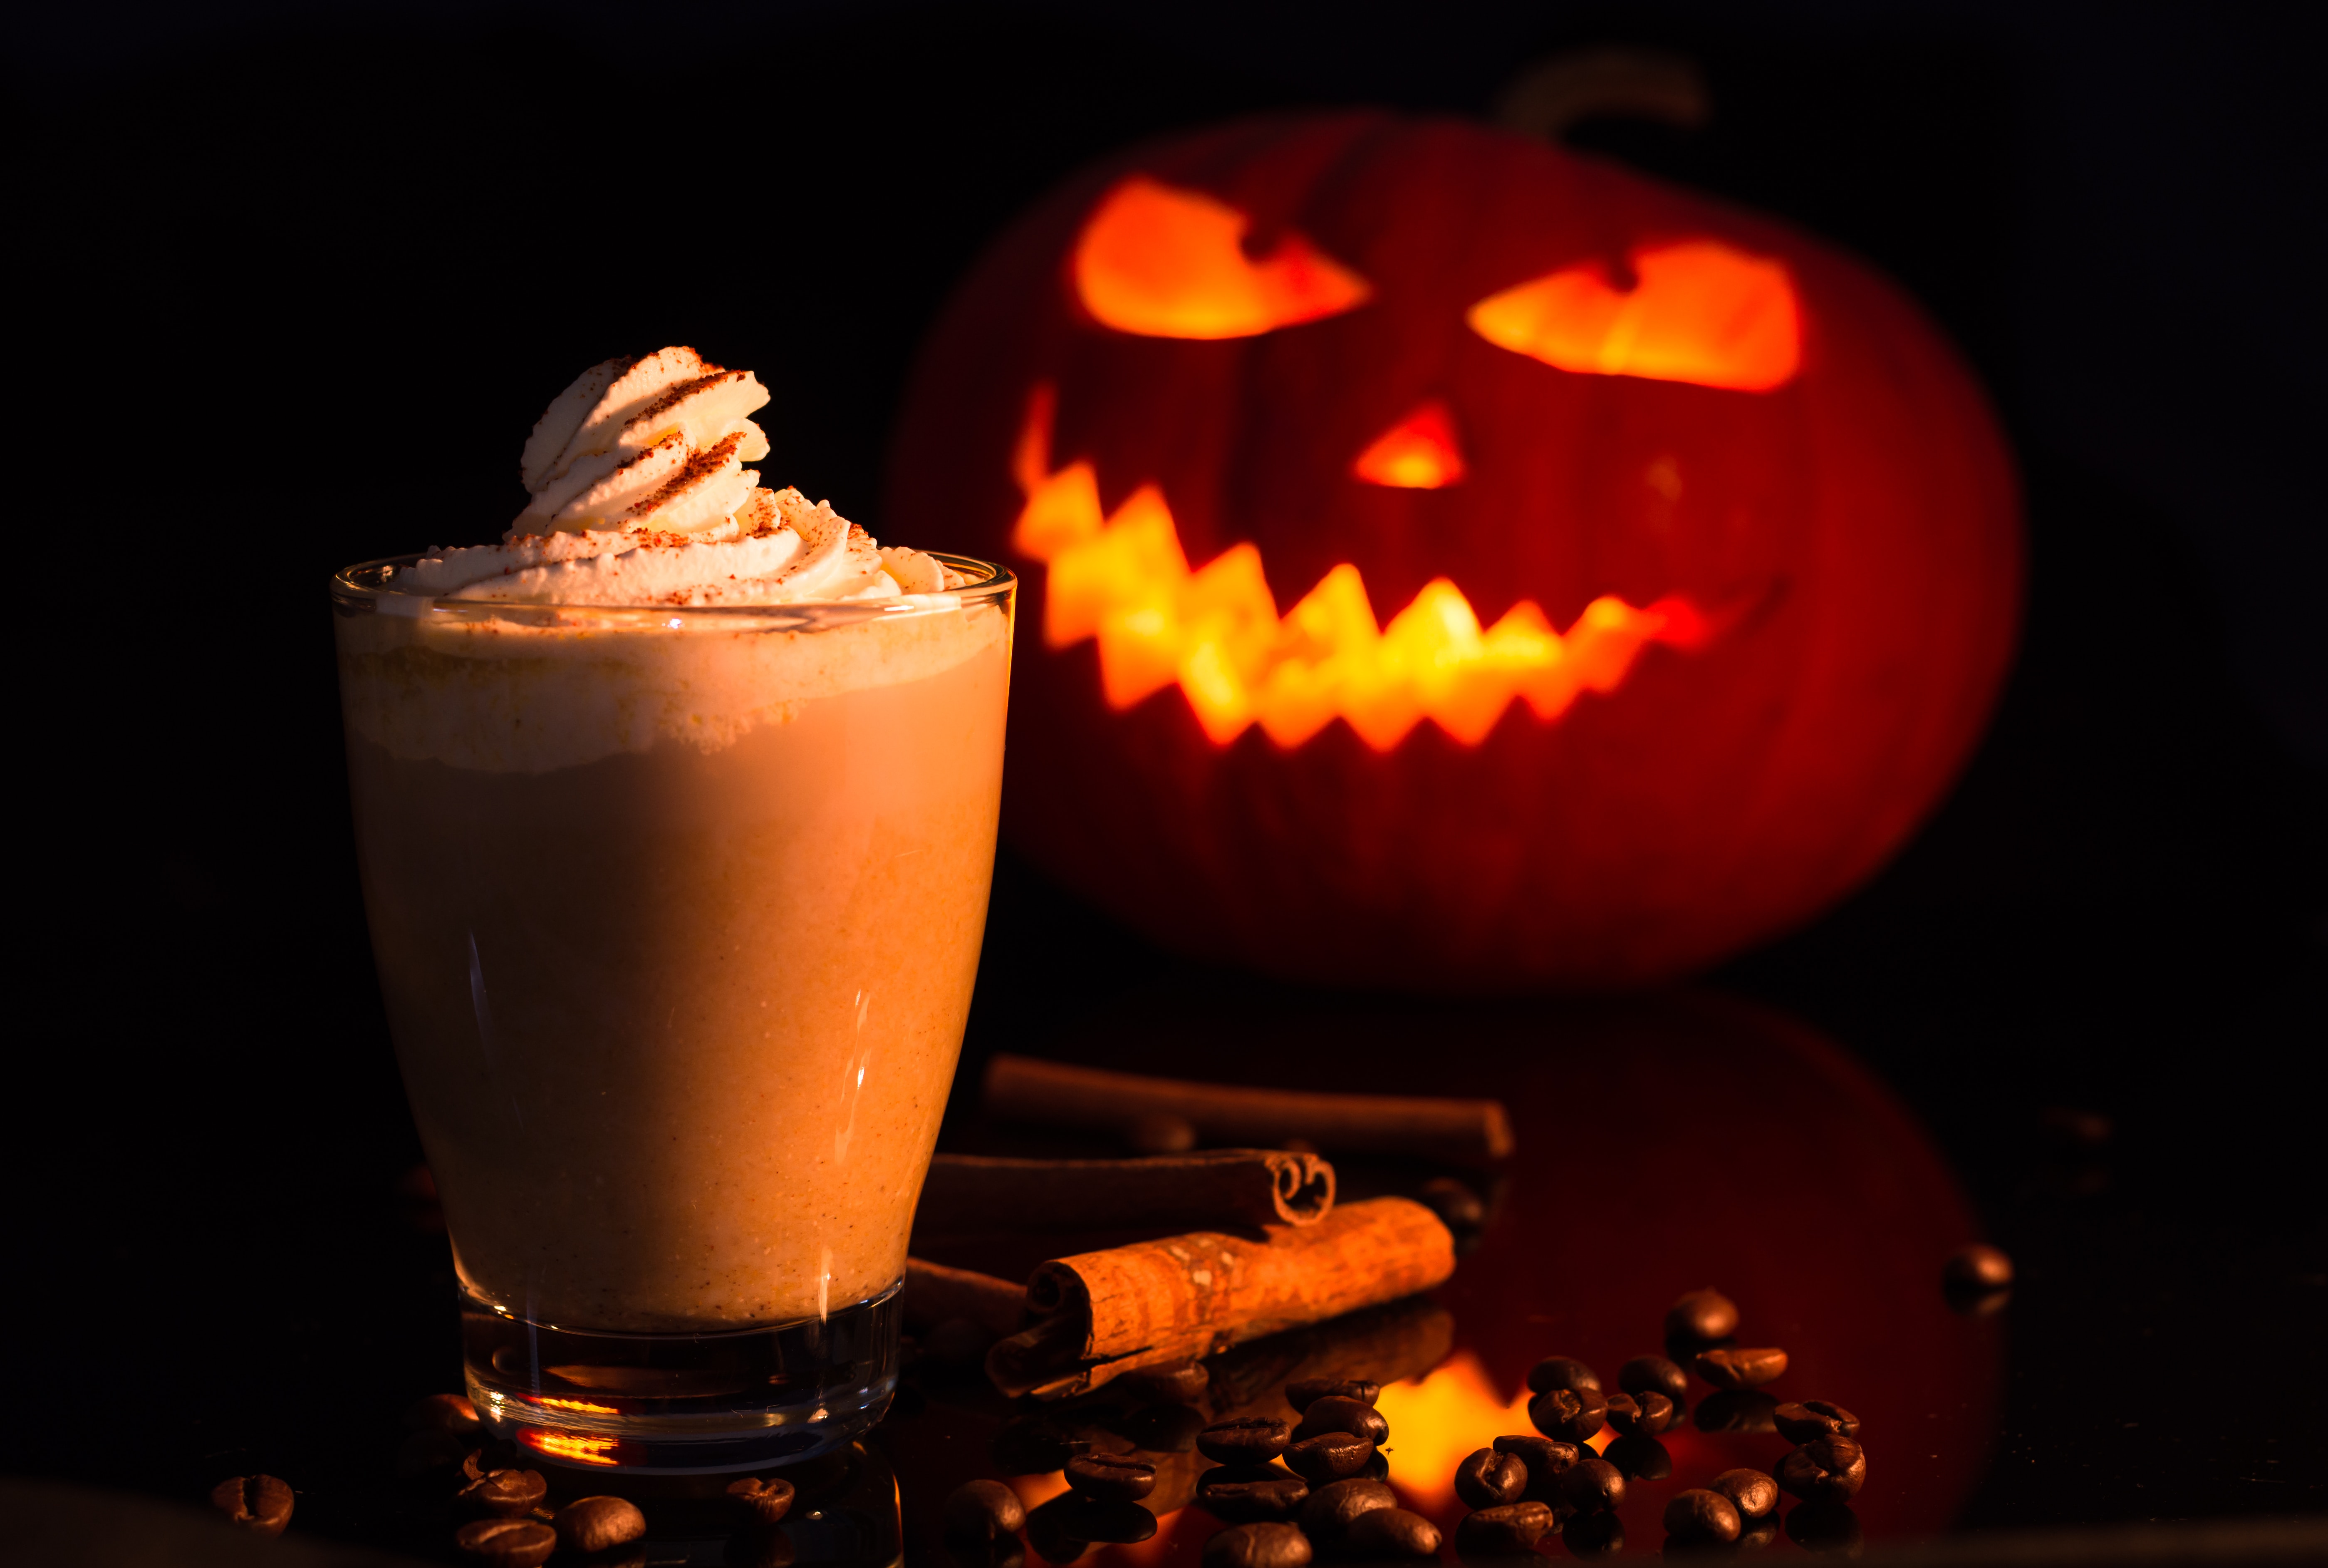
point(1554, 94)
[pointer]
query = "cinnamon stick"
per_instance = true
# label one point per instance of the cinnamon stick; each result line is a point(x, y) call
point(1215, 1190)
point(1466, 1131)
point(934, 1292)
point(1095, 1316)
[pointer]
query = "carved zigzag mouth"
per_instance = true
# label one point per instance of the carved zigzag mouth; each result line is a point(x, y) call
point(1124, 580)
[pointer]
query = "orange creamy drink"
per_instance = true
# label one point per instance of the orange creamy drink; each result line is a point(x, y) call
point(676, 813)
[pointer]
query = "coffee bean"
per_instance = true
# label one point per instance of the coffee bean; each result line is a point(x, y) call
point(1759, 1532)
point(1547, 1460)
point(1639, 1415)
point(766, 1502)
point(1653, 1375)
point(1736, 1410)
point(1459, 1208)
point(1331, 1508)
point(1561, 1371)
point(1813, 1418)
point(1339, 1412)
point(506, 1494)
point(1171, 1383)
point(1111, 1477)
point(1640, 1458)
point(1243, 1494)
point(1697, 1516)
point(1507, 1530)
point(258, 1504)
point(1733, 1368)
point(1977, 1268)
point(1490, 1479)
point(595, 1524)
point(1258, 1546)
point(1825, 1527)
point(450, 1413)
point(1248, 1439)
point(1750, 1492)
point(1703, 1316)
point(1593, 1535)
point(1031, 1445)
point(1330, 1456)
point(1303, 1393)
point(1109, 1521)
point(1387, 1533)
point(1161, 1428)
point(425, 1452)
point(1592, 1485)
point(771, 1546)
point(1569, 1416)
point(982, 1511)
point(484, 1461)
point(507, 1543)
point(1830, 1469)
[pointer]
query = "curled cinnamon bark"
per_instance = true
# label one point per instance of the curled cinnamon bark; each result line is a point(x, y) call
point(1222, 1187)
point(934, 1292)
point(1095, 1316)
point(1467, 1132)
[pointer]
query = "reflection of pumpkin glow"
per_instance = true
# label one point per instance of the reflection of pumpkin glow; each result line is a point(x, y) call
point(1418, 453)
point(1161, 262)
point(571, 1448)
point(1698, 312)
point(1125, 580)
point(582, 1405)
point(1437, 1419)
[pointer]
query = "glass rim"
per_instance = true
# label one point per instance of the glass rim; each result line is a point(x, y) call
point(991, 583)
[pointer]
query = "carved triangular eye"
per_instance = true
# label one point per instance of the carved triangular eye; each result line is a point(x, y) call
point(1159, 262)
point(1699, 311)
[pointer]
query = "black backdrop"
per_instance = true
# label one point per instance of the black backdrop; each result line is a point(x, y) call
point(299, 290)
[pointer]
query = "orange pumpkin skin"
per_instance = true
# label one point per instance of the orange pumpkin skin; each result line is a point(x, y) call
point(1853, 533)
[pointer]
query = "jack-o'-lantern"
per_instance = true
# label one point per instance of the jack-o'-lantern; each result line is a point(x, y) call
point(1699, 552)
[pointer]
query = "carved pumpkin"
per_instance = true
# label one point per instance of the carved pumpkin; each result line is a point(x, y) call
point(1699, 552)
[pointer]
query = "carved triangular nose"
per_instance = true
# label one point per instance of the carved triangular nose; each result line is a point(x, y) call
point(1418, 453)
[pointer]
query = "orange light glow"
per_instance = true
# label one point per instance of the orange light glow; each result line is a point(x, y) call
point(1699, 311)
point(1437, 1419)
point(581, 1405)
point(571, 1448)
point(1418, 453)
point(1162, 262)
point(1124, 580)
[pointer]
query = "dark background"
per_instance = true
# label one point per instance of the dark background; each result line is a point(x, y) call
point(297, 289)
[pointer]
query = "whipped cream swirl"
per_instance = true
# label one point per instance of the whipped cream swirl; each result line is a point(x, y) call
point(640, 496)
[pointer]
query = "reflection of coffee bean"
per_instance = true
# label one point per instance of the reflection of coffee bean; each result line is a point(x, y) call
point(1030, 1445)
point(506, 1494)
point(1172, 1383)
point(771, 1546)
point(1736, 1410)
point(1489, 1479)
point(1830, 1469)
point(1735, 1368)
point(1508, 1530)
point(1330, 1508)
point(1569, 1415)
point(1750, 1492)
point(1161, 1428)
point(258, 1504)
point(1111, 1477)
point(1702, 1315)
point(1640, 1414)
point(1250, 1440)
point(1594, 1536)
point(982, 1511)
point(1825, 1527)
point(450, 1413)
point(1330, 1456)
point(1561, 1371)
point(1160, 1133)
point(1109, 1521)
point(1592, 1484)
point(1052, 1540)
point(507, 1543)
point(1339, 1412)
point(1547, 1460)
point(1653, 1375)
point(1698, 1516)
point(1258, 1546)
point(1389, 1533)
point(1977, 1268)
point(1640, 1458)
point(1759, 1533)
point(1304, 1392)
point(766, 1502)
point(595, 1524)
point(1813, 1418)
point(1243, 1494)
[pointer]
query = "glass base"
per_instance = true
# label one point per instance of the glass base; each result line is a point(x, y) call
point(745, 1399)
